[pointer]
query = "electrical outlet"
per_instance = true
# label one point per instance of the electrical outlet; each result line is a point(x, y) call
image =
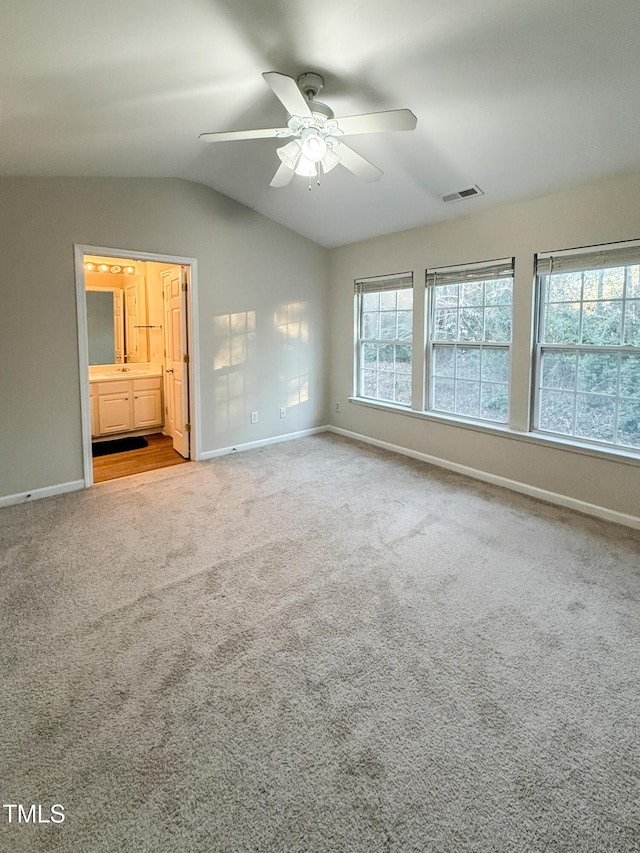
point(254, 417)
point(337, 407)
point(283, 412)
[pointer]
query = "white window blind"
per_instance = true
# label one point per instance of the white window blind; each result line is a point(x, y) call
point(489, 270)
point(390, 282)
point(591, 258)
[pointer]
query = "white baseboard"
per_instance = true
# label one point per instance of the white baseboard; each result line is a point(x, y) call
point(46, 492)
point(263, 442)
point(515, 486)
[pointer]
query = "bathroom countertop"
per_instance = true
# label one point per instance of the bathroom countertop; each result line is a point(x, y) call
point(124, 374)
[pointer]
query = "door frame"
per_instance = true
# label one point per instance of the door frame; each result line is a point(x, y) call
point(193, 367)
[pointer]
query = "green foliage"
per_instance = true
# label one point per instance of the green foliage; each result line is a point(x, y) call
point(589, 392)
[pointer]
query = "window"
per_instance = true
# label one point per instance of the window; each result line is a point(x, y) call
point(384, 338)
point(588, 366)
point(469, 339)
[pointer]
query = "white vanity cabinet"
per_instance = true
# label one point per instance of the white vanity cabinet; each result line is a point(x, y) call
point(114, 407)
point(147, 403)
point(125, 405)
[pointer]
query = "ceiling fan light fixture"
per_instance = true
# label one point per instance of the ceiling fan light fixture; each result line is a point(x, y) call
point(290, 154)
point(307, 168)
point(330, 160)
point(314, 147)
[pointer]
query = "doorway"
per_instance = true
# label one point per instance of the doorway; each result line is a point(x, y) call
point(138, 367)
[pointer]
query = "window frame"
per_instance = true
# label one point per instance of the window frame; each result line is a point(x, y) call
point(609, 256)
point(478, 272)
point(380, 284)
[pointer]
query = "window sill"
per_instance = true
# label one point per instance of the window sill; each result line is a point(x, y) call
point(541, 439)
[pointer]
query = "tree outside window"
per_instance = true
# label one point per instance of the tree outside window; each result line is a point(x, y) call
point(385, 332)
point(470, 337)
point(588, 384)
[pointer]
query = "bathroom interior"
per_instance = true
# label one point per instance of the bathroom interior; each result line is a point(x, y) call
point(137, 372)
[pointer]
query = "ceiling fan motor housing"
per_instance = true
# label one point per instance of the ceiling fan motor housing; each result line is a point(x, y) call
point(319, 109)
point(310, 84)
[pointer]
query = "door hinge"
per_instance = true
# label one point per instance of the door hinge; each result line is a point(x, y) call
point(184, 285)
point(185, 358)
point(187, 427)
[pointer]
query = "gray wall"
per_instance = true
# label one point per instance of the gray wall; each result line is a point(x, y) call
point(252, 270)
point(606, 211)
point(247, 265)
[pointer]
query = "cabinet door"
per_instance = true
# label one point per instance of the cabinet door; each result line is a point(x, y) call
point(147, 408)
point(114, 412)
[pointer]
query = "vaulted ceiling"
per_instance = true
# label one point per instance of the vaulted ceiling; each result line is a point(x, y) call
point(521, 98)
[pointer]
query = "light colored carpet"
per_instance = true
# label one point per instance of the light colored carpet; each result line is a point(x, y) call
point(318, 646)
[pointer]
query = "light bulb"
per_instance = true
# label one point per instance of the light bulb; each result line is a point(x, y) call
point(313, 146)
point(290, 153)
point(103, 268)
point(89, 266)
point(306, 167)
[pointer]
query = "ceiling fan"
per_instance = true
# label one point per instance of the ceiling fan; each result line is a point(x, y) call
point(316, 146)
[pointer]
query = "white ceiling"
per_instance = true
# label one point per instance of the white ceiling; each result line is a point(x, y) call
point(518, 97)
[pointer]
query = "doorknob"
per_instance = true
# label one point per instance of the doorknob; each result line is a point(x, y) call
point(169, 370)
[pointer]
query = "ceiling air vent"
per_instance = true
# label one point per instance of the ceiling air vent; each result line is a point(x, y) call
point(468, 192)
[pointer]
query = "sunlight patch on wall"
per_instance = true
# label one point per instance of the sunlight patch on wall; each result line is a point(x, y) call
point(297, 390)
point(234, 336)
point(230, 394)
point(292, 324)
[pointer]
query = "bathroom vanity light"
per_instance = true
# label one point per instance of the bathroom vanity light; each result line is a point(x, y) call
point(115, 269)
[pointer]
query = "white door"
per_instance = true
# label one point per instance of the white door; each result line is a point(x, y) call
point(132, 352)
point(176, 358)
point(118, 321)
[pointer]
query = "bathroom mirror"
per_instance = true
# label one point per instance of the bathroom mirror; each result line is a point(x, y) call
point(105, 325)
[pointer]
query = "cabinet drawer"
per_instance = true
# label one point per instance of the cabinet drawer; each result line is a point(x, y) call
point(116, 387)
point(150, 384)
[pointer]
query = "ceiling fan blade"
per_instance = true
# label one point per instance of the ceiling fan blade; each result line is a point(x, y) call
point(282, 177)
point(261, 133)
point(377, 122)
point(286, 89)
point(356, 163)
